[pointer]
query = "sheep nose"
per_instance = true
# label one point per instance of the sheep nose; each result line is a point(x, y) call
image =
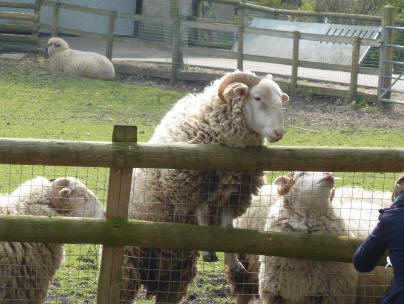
point(279, 133)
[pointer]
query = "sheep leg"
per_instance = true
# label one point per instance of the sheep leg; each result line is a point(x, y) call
point(202, 219)
point(230, 259)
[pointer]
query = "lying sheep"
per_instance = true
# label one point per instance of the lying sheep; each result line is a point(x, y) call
point(27, 269)
point(87, 64)
point(305, 206)
point(238, 110)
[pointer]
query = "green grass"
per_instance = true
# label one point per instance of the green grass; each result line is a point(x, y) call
point(36, 103)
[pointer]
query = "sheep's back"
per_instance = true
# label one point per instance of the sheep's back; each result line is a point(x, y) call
point(26, 269)
point(299, 281)
point(87, 64)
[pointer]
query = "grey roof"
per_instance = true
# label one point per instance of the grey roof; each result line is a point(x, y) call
point(323, 52)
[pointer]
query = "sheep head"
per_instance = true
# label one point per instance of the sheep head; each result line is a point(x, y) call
point(262, 102)
point(71, 195)
point(306, 189)
point(56, 45)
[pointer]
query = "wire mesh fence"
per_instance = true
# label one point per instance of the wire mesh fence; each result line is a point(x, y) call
point(344, 204)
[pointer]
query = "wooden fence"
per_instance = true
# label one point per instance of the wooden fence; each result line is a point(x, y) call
point(124, 153)
point(20, 33)
point(238, 30)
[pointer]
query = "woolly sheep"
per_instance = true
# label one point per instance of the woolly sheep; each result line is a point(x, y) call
point(238, 110)
point(27, 269)
point(359, 210)
point(244, 286)
point(305, 207)
point(87, 64)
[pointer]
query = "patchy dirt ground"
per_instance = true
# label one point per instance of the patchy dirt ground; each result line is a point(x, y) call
point(311, 112)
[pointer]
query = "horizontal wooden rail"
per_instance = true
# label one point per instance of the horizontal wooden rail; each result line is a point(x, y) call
point(17, 5)
point(18, 28)
point(11, 47)
point(19, 16)
point(119, 232)
point(19, 38)
point(199, 157)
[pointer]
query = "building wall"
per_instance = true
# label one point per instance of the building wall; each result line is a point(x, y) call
point(85, 21)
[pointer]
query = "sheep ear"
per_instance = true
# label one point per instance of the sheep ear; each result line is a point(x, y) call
point(241, 90)
point(269, 76)
point(332, 194)
point(284, 97)
point(65, 192)
point(284, 184)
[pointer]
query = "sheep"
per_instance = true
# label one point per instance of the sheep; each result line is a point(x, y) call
point(359, 210)
point(87, 64)
point(244, 287)
point(305, 206)
point(26, 268)
point(238, 110)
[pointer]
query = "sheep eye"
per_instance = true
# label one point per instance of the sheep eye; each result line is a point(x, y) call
point(257, 98)
point(301, 174)
point(57, 44)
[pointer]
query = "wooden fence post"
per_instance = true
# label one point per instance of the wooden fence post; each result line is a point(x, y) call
point(295, 63)
point(176, 59)
point(240, 49)
point(388, 17)
point(120, 179)
point(55, 25)
point(110, 34)
point(356, 44)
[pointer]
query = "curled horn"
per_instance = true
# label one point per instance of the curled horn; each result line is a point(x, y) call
point(248, 79)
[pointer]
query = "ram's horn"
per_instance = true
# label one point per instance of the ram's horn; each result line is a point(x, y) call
point(248, 79)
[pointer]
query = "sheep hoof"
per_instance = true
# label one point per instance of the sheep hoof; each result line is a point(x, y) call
point(210, 257)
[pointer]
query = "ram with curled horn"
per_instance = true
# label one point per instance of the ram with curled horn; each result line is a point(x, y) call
point(238, 110)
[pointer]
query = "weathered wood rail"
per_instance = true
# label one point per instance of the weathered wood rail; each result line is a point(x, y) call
point(16, 36)
point(124, 153)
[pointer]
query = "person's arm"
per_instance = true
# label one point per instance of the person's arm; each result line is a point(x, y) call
point(371, 251)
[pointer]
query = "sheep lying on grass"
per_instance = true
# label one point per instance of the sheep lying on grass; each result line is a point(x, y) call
point(87, 64)
point(27, 269)
point(305, 206)
point(238, 110)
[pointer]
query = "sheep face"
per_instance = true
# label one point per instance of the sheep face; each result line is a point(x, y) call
point(306, 189)
point(263, 109)
point(56, 45)
point(72, 196)
point(262, 102)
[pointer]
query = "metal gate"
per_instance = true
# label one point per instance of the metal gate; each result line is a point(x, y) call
point(391, 82)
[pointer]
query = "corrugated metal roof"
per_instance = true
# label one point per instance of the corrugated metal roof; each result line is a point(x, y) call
point(323, 52)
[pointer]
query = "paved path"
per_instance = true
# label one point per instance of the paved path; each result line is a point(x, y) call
point(139, 51)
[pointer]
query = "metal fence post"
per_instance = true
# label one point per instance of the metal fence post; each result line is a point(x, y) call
point(386, 53)
point(120, 179)
point(356, 44)
point(295, 63)
point(110, 34)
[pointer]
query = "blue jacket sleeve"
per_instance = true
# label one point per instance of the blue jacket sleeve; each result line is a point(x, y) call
point(371, 251)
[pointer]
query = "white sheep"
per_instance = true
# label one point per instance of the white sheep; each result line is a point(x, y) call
point(238, 110)
point(359, 210)
point(27, 268)
point(305, 206)
point(87, 64)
